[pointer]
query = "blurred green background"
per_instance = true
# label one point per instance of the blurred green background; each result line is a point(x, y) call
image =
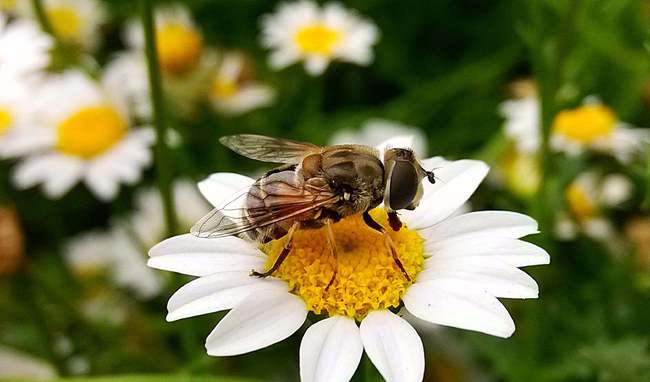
point(443, 66)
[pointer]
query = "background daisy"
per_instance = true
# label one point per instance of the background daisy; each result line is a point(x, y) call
point(85, 136)
point(303, 31)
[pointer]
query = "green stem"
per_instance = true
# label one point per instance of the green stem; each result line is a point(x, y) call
point(163, 164)
point(39, 10)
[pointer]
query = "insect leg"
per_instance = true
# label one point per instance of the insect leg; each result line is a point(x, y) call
point(283, 255)
point(329, 234)
point(377, 227)
point(394, 221)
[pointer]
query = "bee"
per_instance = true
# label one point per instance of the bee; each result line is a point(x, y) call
point(313, 188)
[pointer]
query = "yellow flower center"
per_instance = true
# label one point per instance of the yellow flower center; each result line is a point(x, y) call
point(90, 131)
point(179, 47)
point(65, 22)
point(580, 203)
point(5, 120)
point(223, 88)
point(367, 278)
point(586, 123)
point(317, 39)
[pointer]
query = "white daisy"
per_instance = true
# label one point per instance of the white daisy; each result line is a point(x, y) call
point(74, 22)
point(121, 250)
point(587, 198)
point(82, 136)
point(595, 126)
point(26, 49)
point(303, 31)
point(179, 42)
point(233, 89)
point(374, 132)
point(460, 265)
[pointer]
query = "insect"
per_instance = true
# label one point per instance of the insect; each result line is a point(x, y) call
point(313, 188)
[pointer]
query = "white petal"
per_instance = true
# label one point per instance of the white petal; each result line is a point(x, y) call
point(194, 256)
point(515, 252)
point(453, 303)
point(316, 65)
point(218, 188)
point(393, 346)
point(486, 224)
point(103, 187)
point(456, 182)
point(260, 320)
point(496, 278)
point(330, 350)
point(215, 293)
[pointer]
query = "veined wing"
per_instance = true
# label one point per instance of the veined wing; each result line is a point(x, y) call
point(269, 201)
point(269, 149)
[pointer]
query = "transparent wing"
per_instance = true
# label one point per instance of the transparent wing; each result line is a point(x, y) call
point(262, 206)
point(268, 149)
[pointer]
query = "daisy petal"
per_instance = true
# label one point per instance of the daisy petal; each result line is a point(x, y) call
point(457, 304)
point(456, 182)
point(194, 256)
point(215, 293)
point(393, 346)
point(330, 350)
point(515, 252)
point(260, 320)
point(487, 224)
point(218, 188)
point(496, 278)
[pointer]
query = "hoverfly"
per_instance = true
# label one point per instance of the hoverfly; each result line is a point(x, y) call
point(315, 187)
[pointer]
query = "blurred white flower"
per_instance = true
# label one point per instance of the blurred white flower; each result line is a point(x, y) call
point(375, 132)
point(587, 198)
point(233, 89)
point(591, 126)
point(18, 365)
point(121, 250)
point(460, 265)
point(74, 22)
point(595, 126)
point(522, 123)
point(303, 31)
point(178, 40)
point(25, 49)
point(82, 136)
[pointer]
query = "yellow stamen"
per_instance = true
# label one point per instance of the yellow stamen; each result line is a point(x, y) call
point(179, 47)
point(367, 278)
point(317, 39)
point(5, 120)
point(8, 5)
point(580, 202)
point(586, 123)
point(223, 88)
point(65, 22)
point(90, 131)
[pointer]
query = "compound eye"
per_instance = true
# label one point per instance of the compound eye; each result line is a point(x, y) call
point(404, 183)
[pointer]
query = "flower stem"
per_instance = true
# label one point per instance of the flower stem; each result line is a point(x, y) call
point(163, 164)
point(39, 10)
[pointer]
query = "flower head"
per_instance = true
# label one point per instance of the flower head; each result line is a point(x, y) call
point(234, 90)
point(459, 265)
point(303, 31)
point(595, 126)
point(179, 42)
point(75, 22)
point(85, 136)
